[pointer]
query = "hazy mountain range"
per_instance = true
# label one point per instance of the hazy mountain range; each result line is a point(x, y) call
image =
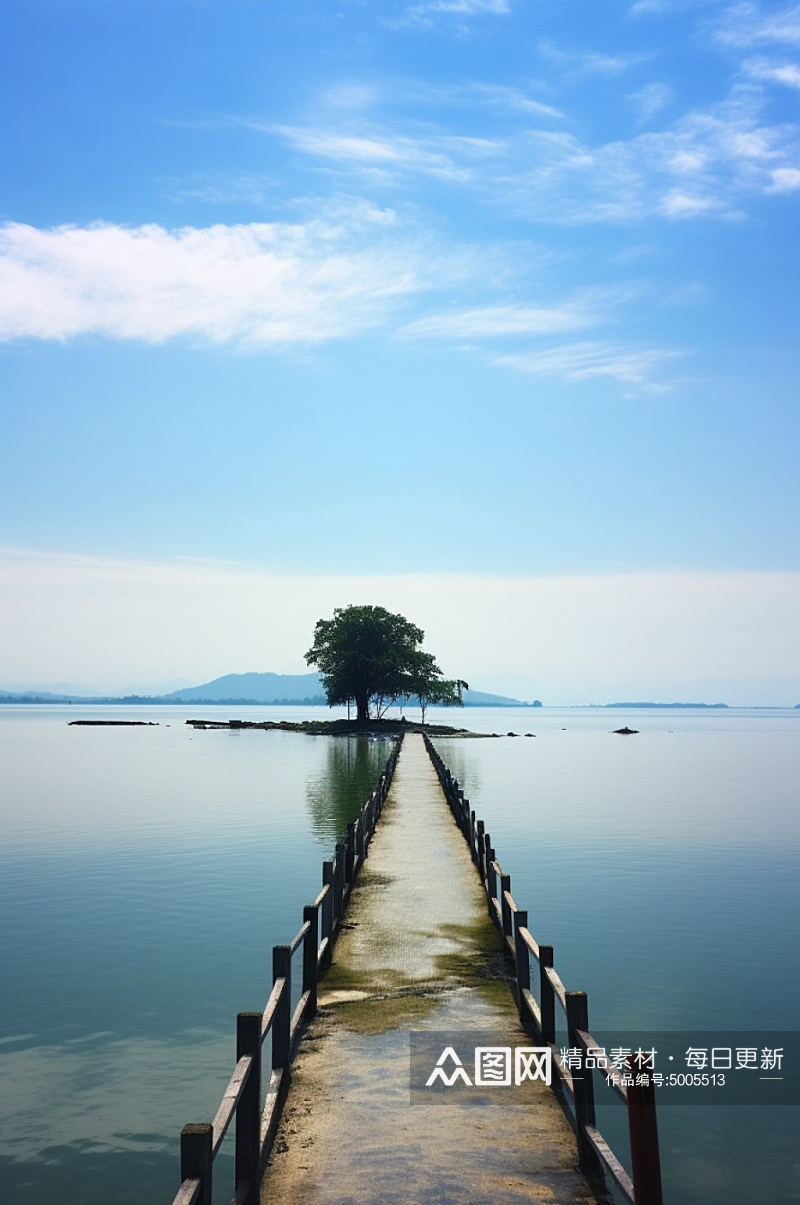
point(235, 688)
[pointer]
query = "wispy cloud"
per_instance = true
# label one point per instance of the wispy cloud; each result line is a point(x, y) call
point(502, 320)
point(221, 188)
point(706, 163)
point(579, 63)
point(385, 155)
point(427, 12)
point(483, 95)
point(630, 366)
point(254, 285)
point(784, 179)
point(749, 25)
point(784, 73)
point(590, 307)
point(650, 100)
point(463, 7)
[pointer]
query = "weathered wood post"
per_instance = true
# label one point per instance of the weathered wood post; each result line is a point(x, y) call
point(643, 1130)
point(481, 849)
point(523, 963)
point(350, 854)
point(196, 1158)
point(505, 907)
point(487, 860)
point(491, 881)
point(338, 882)
point(361, 844)
point(583, 1088)
point(310, 950)
point(281, 1026)
point(327, 907)
point(463, 811)
point(547, 996)
point(248, 1110)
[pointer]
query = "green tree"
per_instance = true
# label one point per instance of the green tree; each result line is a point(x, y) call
point(372, 656)
point(427, 685)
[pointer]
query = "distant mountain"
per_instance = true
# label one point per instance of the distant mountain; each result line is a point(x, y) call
point(479, 698)
point(253, 688)
point(664, 705)
point(291, 688)
point(238, 689)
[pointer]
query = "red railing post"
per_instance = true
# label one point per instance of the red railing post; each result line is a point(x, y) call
point(643, 1130)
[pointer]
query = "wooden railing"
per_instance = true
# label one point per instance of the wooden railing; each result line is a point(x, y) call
point(255, 1127)
point(575, 1093)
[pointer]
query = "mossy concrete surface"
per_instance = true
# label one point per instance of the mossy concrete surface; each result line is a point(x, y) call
point(418, 953)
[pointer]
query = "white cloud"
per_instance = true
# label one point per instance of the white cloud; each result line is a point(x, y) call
point(706, 163)
point(493, 321)
point(512, 99)
point(579, 63)
point(679, 204)
point(591, 359)
point(746, 25)
point(425, 12)
point(478, 93)
point(590, 307)
point(785, 179)
point(222, 188)
point(387, 156)
point(650, 100)
point(580, 637)
point(787, 74)
point(259, 285)
point(689, 294)
point(644, 7)
point(464, 7)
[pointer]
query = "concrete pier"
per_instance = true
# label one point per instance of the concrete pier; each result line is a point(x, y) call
point(417, 952)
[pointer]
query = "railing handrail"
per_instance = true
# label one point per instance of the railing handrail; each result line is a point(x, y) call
point(241, 1098)
point(594, 1152)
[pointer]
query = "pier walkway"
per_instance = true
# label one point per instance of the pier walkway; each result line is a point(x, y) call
point(417, 951)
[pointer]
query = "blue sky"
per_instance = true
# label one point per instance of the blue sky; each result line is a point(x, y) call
point(464, 290)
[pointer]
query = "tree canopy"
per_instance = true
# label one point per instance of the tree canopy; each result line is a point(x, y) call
point(372, 656)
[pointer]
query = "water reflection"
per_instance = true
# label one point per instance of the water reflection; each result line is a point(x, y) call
point(334, 796)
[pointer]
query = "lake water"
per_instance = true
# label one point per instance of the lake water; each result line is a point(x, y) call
point(146, 873)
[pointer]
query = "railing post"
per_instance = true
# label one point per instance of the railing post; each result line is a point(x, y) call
point(547, 995)
point(643, 1130)
point(523, 963)
point(248, 1110)
point(491, 882)
point(281, 1026)
point(462, 810)
point(361, 845)
point(505, 907)
point(583, 1088)
point(327, 904)
point(481, 849)
point(196, 1158)
point(350, 854)
point(310, 951)
point(338, 881)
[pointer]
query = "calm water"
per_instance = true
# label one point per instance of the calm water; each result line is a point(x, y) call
point(146, 873)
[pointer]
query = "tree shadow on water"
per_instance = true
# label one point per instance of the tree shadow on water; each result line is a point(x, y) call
point(353, 766)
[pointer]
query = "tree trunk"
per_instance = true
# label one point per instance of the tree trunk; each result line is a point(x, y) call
point(362, 714)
